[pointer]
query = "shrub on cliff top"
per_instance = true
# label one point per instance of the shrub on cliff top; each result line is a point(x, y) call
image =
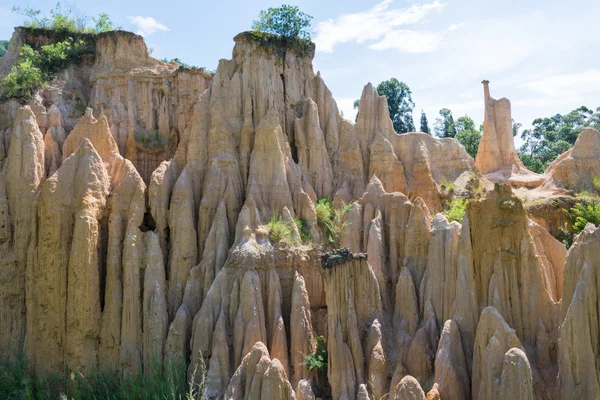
point(66, 18)
point(287, 21)
point(35, 68)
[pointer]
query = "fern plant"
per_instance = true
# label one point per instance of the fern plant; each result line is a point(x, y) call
point(332, 220)
point(584, 212)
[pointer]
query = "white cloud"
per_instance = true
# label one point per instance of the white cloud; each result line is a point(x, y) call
point(380, 24)
point(409, 41)
point(147, 25)
point(566, 85)
point(346, 106)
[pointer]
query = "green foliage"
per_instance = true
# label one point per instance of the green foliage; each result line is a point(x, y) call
point(178, 61)
point(149, 139)
point(444, 125)
point(552, 136)
point(3, 47)
point(332, 221)
point(317, 362)
point(35, 68)
point(467, 135)
point(456, 210)
point(565, 237)
point(596, 183)
point(584, 212)
point(302, 226)
point(159, 383)
point(400, 104)
point(287, 21)
point(66, 18)
point(447, 185)
point(280, 230)
point(424, 123)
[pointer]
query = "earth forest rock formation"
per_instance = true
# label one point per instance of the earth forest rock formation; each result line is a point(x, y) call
point(119, 248)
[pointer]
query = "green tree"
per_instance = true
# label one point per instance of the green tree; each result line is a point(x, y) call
point(444, 125)
point(516, 126)
point(467, 134)
point(3, 47)
point(286, 21)
point(424, 124)
point(66, 18)
point(400, 104)
point(551, 136)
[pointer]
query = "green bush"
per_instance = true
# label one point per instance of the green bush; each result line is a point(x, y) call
point(280, 230)
point(456, 210)
point(3, 47)
point(66, 18)
point(448, 185)
point(332, 221)
point(596, 183)
point(35, 68)
point(160, 383)
point(317, 362)
point(302, 226)
point(149, 139)
point(287, 21)
point(584, 212)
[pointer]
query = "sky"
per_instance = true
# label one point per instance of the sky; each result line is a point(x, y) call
point(541, 54)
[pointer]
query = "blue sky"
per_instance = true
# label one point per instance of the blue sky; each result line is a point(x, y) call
point(543, 55)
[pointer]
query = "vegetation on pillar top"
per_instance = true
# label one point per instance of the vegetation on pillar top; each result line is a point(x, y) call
point(66, 18)
point(340, 256)
point(52, 43)
point(281, 29)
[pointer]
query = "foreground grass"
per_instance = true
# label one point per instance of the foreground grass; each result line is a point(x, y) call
point(170, 384)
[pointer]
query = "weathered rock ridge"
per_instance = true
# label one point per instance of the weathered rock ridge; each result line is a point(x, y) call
point(118, 254)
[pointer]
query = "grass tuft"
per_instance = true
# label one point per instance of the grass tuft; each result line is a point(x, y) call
point(456, 210)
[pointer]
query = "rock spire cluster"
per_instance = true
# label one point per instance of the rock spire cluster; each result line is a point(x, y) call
point(143, 230)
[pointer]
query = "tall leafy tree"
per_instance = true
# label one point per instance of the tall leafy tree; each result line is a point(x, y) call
point(400, 104)
point(467, 134)
point(551, 136)
point(286, 21)
point(424, 124)
point(444, 124)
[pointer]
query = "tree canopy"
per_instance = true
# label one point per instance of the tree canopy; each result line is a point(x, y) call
point(66, 17)
point(400, 104)
point(424, 123)
point(3, 47)
point(287, 21)
point(467, 134)
point(444, 124)
point(551, 136)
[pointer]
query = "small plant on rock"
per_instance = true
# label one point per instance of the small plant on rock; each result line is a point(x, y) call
point(331, 220)
point(280, 230)
point(596, 183)
point(456, 210)
point(302, 226)
point(584, 212)
point(448, 185)
point(317, 362)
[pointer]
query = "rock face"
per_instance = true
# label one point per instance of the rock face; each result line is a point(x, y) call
point(227, 264)
point(577, 167)
point(497, 157)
